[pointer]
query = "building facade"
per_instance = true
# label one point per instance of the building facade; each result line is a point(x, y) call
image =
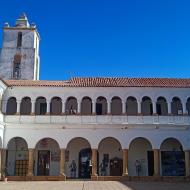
point(98, 128)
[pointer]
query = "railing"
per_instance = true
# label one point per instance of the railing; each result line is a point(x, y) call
point(94, 119)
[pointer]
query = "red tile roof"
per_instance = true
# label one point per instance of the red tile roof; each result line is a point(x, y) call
point(106, 82)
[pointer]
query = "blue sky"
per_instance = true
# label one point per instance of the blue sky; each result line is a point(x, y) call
point(108, 38)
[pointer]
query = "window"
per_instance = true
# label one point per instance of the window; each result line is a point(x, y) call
point(19, 39)
point(16, 71)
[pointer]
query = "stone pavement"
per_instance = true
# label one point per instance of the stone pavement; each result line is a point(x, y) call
point(92, 185)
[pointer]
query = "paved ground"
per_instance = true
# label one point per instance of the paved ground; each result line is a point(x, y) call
point(91, 185)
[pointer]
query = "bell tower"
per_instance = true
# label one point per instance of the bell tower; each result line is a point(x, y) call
point(19, 55)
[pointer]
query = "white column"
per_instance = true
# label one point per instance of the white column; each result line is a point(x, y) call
point(4, 106)
point(154, 107)
point(184, 108)
point(109, 107)
point(139, 107)
point(63, 106)
point(93, 107)
point(33, 102)
point(123, 107)
point(48, 107)
point(18, 106)
point(79, 106)
point(169, 108)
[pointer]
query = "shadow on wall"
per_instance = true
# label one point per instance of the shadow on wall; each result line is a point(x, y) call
point(153, 185)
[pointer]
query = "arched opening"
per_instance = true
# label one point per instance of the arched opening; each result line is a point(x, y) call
point(17, 66)
point(141, 158)
point(11, 106)
point(172, 158)
point(19, 39)
point(116, 106)
point(47, 158)
point(86, 106)
point(78, 158)
point(131, 106)
point(161, 106)
point(41, 106)
point(101, 106)
point(146, 106)
point(71, 106)
point(56, 106)
point(110, 157)
point(25, 106)
point(188, 106)
point(17, 157)
point(176, 106)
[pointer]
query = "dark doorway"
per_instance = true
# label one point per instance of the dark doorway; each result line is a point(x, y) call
point(98, 109)
point(85, 165)
point(43, 162)
point(150, 163)
point(116, 167)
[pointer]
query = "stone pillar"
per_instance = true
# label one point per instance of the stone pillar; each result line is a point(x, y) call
point(4, 106)
point(154, 108)
point(62, 162)
point(139, 107)
point(184, 108)
point(109, 107)
point(124, 107)
point(33, 103)
point(0, 165)
point(30, 162)
point(187, 163)
point(63, 106)
point(79, 106)
point(125, 162)
point(3, 162)
point(156, 162)
point(48, 107)
point(169, 108)
point(93, 107)
point(18, 107)
point(94, 162)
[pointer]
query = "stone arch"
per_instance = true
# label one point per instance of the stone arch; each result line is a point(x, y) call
point(146, 106)
point(101, 106)
point(11, 106)
point(17, 157)
point(56, 106)
point(161, 106)
point(188, 106)
point(41, 106)
point(172, 157)
point(71, 105)
point(139, 161)
point(176, 106)
point(73, 157)
point(116, 106)
point(1, 143)
point(25, 106)
point(110, 153)
point(86, 106)
point(131, 106)
point(47, 157)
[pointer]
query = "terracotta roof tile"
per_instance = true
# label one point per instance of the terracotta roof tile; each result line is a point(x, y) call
point(106, 82)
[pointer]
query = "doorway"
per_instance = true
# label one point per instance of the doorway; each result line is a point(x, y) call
point(43, 163)
point(116, 167)
point(150, 155)
point(85, 165)
point(98, 109)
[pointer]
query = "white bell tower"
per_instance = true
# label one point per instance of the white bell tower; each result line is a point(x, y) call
point(19, 56)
